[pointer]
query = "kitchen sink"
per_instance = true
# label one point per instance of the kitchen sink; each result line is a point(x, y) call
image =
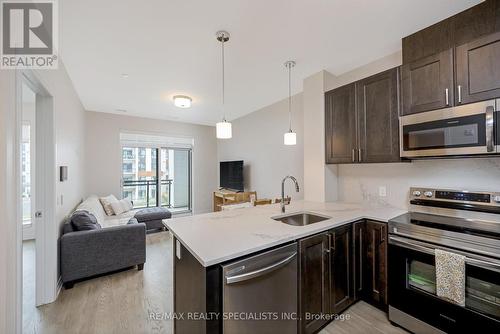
point(300, 218)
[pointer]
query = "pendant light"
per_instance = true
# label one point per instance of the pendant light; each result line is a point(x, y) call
point(223, 128)
point(290, 137)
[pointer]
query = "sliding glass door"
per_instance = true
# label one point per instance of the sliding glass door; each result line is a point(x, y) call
point(157, 177)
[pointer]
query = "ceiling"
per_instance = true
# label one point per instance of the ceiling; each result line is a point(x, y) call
point(168, 47)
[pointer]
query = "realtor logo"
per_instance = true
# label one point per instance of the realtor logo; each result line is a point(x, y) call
point(29, 34)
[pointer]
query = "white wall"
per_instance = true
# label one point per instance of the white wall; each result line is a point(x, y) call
point(319, 178)
point(8, 269)
point(258, 140)
point(103, 153)
point(69, 124)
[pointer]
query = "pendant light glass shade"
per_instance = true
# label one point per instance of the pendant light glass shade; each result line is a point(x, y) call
point(224, 130)
point(290, 138)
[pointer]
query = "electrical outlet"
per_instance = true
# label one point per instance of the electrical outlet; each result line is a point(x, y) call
point(382, 191)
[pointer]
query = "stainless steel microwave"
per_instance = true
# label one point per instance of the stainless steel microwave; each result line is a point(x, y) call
point(464, 130)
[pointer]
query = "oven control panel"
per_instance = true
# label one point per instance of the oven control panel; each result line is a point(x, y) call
point(428, 195)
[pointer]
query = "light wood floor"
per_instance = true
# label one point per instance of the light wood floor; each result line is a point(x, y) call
point(118, 303)
point(122, 302)
point(363, 319)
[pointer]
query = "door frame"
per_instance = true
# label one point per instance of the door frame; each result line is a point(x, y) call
point(46, 235)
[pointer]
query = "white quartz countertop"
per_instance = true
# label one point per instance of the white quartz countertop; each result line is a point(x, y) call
point(220, 236)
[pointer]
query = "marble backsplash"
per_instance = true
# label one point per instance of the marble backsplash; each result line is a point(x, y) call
point(361, 182)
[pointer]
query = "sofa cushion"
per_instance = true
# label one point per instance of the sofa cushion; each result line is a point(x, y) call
point(107, 204)
point(93, 205)
point(155, 213)
point(121, 206)
point(83, 221)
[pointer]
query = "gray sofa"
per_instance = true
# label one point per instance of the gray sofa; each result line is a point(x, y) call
point(117, 242)
point(93, 252)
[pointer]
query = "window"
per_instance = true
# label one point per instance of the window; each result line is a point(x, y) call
point(26, 172)
point(156, 176)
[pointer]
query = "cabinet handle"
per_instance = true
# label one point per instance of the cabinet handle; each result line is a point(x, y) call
point(359, 155)
point(459, 93)
point(382, 234)
point(447, 94)
point(353, 155)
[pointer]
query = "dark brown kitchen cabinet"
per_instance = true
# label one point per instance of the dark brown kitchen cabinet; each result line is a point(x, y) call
point(378, 121)
point(340, 125)
point(314, 281)
point(477, 68)
point(429, 41)
point(375, 276)
point(427, 83)
point(341, 269)
point(468, 25)
point(361, 120)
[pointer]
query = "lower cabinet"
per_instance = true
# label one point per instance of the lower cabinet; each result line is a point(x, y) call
point(339, 267)
point(375, 268)
point(314, 284)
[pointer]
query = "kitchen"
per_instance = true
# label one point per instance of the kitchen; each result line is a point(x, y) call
point(440, 103)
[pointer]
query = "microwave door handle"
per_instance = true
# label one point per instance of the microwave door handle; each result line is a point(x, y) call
point(490, 147)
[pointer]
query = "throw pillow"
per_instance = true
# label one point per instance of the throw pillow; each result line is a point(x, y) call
point(106, 204)
point(83, 221)
point(121, 206)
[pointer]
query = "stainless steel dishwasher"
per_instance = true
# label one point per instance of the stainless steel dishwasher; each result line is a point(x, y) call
point(260, 293)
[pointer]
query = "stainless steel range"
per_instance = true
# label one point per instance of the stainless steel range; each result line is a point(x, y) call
point(462, 222)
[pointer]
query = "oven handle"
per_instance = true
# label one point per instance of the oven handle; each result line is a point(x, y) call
point(429, 249)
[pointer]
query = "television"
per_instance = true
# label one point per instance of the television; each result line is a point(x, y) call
point(231, 175)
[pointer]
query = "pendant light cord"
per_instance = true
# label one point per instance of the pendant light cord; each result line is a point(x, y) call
point(223, 83)
point(289, 97)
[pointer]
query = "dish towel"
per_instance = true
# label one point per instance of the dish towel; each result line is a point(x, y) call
point(450, 276)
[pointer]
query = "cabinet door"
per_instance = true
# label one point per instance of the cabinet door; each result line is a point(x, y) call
point(342, 283)
point(478, 70)
point(359, 252)
point(314, 277)
point(376, 263)
point(340, 125)
point(378, 117)
point(427, 84)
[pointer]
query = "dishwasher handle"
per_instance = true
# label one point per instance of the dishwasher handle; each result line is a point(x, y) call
point(261, 271)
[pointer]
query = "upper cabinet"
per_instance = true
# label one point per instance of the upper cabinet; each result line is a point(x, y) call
point(478, 70)
point(377, 115)
point(340, 125)
point(361, 120)
point(453, 62)
point(428, 83)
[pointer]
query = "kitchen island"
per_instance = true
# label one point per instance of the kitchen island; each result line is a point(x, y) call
point(205, 243)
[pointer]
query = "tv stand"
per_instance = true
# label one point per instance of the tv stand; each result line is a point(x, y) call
point(226, 197)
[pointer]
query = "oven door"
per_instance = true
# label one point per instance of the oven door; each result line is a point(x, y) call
point(463, 130)
point(412, 288)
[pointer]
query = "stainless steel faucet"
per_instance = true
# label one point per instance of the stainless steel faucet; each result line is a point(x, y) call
point(283, 190)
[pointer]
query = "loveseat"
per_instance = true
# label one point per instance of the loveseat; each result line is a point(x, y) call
point(119, 242)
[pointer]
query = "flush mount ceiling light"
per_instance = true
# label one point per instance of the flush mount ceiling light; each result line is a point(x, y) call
point(182, 101)
point(290, 137)
point(223, 128)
